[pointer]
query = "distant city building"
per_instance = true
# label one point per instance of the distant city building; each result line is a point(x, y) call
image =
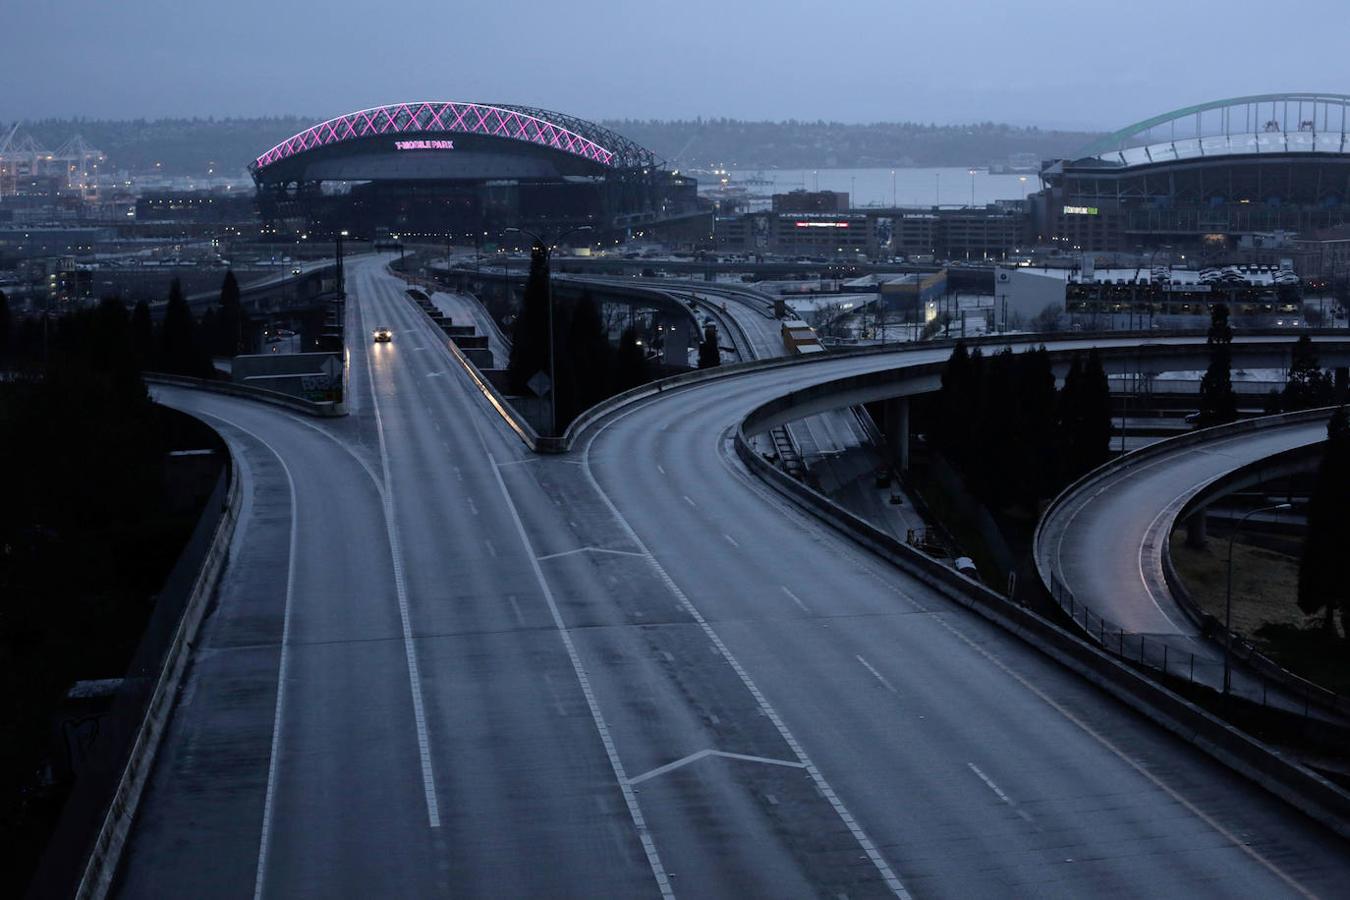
point(803, 201)
point(195, 206)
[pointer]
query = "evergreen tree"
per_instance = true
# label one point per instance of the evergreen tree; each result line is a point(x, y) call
point(1070, 413)
point(1094, 419)
point(1324, 572)
point(585, 364)
point(709, 354)
point(229, 336)
point(529, 335)
point(630, 363)
point(956, 404)
point(179, 351)
point(1307, 386)
point(142, 338)
point(1218, 403)
point(4, 327)
point(1037, 429)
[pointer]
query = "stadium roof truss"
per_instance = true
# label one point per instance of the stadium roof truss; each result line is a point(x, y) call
point(1262, 123)
point(557, 131)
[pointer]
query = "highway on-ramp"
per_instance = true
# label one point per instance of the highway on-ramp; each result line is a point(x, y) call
point(1105, 543)
point(632, 671)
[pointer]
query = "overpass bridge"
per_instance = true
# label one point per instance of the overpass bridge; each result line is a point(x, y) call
point(442, 664)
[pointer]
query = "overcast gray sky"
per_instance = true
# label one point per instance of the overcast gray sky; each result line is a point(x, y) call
point(1048, 62)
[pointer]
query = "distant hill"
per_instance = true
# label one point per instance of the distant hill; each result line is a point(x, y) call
point(190, 146)
point(181, 146)
point(796, 145)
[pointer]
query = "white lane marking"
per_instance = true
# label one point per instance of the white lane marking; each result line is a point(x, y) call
point(690, 502)
point(473, 507)
point(1143, 542)
point(795, 599)
point(998, 792)
point(703, 754)
point(1137, 767)
point(589, 550)
point(731, 540)
point(877, 675)
point(630, 798)
point(491, 547)
point(459, 474)
point(721, 649)
point(515, 608)
point(434, 374)
point(405, 619)
point(660, 469)
point(264, 839)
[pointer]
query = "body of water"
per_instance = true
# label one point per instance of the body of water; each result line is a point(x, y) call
point(948, 186)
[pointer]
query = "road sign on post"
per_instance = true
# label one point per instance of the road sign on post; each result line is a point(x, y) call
point(539, 383)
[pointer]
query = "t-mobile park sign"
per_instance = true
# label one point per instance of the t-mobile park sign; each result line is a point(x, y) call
point(424, 145)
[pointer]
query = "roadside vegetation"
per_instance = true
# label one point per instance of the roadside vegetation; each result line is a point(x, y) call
point(93, 517)
point(588, 368)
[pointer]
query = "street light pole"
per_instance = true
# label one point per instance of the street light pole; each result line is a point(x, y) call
point(548, 300)
point(1228, 594)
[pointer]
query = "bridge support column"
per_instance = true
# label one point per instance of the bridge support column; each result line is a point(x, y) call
point(895, 427)
point(1197, 530)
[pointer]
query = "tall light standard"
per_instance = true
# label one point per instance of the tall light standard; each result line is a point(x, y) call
point(548, 300)
point(1228, 594)
point(972, 188)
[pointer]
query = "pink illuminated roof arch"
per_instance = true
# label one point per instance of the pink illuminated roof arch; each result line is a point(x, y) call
point(547, 129)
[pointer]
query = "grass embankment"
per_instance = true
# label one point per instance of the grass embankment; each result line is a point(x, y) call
point(1265, 585)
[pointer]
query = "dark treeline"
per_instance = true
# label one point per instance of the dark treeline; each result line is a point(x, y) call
point(1014, 438)
point(113, 338)
point(588, 368)
point(88, 525)
point(1324, 571)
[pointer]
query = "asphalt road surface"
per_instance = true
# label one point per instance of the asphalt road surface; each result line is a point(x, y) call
point(441, 666)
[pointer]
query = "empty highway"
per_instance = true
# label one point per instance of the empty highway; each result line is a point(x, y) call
point(442, 666)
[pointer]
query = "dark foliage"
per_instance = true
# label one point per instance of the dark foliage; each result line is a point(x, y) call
point(529, 335)
point(630, 363)
point(1324, 573)
point(1307, 386)
point(4, 327)
point(1000, 423)
point(227, 337)
point(180, 351)
point(709, 354)
point(1218, 403)
point(583, 361)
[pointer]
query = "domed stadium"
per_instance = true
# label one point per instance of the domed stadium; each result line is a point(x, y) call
point(440, 170)
point(1245, 171)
